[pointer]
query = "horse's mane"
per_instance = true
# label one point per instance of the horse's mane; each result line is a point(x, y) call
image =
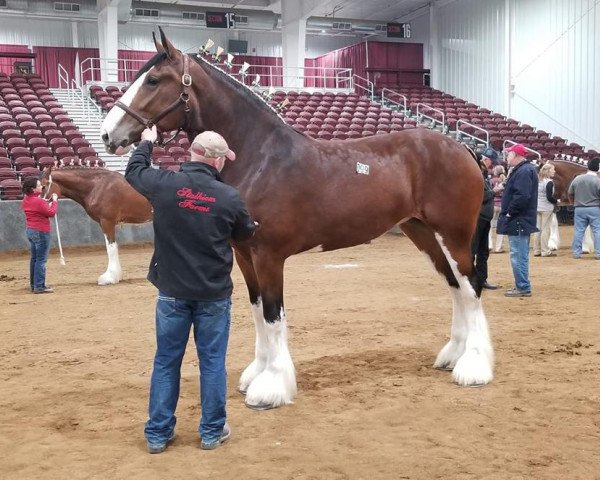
point(82, 169)
point(567, 162)
point(240, 87)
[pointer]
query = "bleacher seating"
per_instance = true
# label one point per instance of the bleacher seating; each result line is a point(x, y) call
point(35, 132)
point(500, 128)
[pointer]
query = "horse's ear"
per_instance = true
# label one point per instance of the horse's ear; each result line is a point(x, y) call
point(168, 47)
point(159, 47)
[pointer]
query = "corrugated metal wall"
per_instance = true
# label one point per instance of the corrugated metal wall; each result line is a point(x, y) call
point(553, 57)
point(556, 67)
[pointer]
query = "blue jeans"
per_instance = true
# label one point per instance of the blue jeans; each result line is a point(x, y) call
point(174, 319)
point(519, 259)
point(40, 246)
point(585, 216)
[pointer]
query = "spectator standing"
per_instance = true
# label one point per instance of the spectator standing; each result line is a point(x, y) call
point(497, 182)
point(545, 211)
point(584, 193)
point(480, 247)
point(518, 216)
point(196, 216)
point(37, 220)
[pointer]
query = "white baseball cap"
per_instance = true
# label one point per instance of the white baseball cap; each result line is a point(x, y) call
point(211, 145)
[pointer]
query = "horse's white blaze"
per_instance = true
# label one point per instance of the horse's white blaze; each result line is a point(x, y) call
point(114, 116)
point(271, 378)
point(469, 352)
point(113, 272)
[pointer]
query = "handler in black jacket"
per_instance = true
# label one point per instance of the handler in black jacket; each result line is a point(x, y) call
point(195, 217)
point(480, 247)
point(518, 216)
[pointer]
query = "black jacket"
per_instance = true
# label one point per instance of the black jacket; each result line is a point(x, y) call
point(487, 204)
point(195, 217)
point(519, 201)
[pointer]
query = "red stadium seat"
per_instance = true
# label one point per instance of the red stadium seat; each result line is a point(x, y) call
point(27, 172)
point(23, 162)
point(64, 152)
point(11, 189)
point(45, 162)
point(7, 173)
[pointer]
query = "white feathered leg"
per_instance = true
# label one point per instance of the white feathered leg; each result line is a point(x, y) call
point(113, 274)
point(260, 349)
point(588, 241)
point(274, 377)
point(475, 365)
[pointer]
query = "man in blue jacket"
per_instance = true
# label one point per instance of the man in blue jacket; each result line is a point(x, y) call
point(195, 217)
point(518, 216)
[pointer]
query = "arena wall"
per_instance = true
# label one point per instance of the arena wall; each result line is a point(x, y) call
point(76, 228)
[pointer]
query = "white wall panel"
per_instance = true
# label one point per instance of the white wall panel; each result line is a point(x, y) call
point(553, 61)
point(562, 57)
point(471, 39)
point(38, 32)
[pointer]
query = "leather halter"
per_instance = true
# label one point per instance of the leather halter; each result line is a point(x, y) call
point(183, 99)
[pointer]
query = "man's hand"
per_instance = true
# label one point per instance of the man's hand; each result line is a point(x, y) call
point(150, 134)
point(54, 197)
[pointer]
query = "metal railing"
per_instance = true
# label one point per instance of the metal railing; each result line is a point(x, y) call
point(364, 85)
point(530, 150)
point(63, 77)
point(486, 133)
point(123, 71)
point(387, 100)
point(421, 115)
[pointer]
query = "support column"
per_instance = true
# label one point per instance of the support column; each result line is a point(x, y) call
point(508, 80)
point(293, 36)
point(434, 48)
point(107, 39)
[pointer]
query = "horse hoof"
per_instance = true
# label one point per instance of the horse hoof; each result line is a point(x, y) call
point(260, 407)
point(473, 385)
point(444, 368)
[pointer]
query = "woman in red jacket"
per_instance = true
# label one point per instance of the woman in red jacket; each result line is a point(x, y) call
point(37, 219)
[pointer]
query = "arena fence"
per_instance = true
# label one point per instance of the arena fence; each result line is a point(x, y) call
point(76, 228)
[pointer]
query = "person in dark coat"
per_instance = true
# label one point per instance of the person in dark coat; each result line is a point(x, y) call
point(480, 247)
point(518, 216)
point(196, 215)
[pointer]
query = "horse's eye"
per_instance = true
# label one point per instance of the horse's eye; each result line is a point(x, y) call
point(152, 81)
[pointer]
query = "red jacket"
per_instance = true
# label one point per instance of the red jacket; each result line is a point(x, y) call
point(37, 212)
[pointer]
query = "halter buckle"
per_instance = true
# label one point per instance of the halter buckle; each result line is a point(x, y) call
point(186, 79)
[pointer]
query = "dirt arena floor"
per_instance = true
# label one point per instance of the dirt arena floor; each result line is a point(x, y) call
point(76, 367)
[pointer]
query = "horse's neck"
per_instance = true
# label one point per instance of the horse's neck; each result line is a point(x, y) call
point(72, 186)
point(248, 126)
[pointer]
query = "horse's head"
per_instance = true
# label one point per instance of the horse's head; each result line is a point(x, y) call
point(159, 95)
point(565, 172)
point(48, 186)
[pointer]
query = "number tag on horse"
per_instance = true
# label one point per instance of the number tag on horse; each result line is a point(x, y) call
point(362, 168)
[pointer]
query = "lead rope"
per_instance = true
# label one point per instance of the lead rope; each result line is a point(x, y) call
point(45, 197)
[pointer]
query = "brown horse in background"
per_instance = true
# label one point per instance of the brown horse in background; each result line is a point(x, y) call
point(107, 198)
point(308, 193)
point(565, 173)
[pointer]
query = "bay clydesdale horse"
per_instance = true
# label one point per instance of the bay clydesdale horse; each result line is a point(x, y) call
point(307, 193)
point(107, 198)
